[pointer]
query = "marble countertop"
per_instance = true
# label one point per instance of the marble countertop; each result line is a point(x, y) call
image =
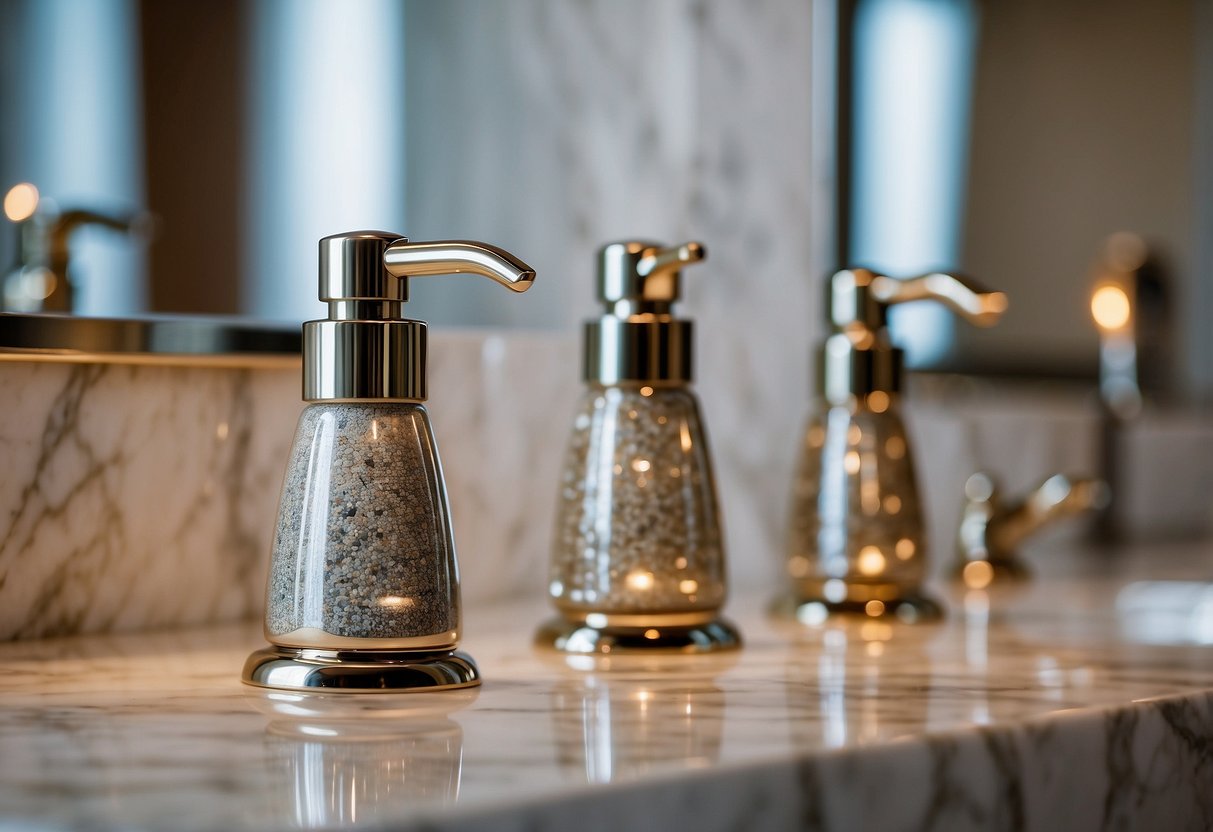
point(1074, 703)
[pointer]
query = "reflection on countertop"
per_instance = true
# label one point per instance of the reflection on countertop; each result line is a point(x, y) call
point(1044, 707)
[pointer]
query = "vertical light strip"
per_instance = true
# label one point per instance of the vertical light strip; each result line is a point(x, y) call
point(326, 140)
point(914, 63)
point(81, 106)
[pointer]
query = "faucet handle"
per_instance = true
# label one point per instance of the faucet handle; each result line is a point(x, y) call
point(967, 298)
point(991, 529)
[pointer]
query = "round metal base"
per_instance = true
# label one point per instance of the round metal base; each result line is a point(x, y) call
point(359, 672)
point(580, 637)
point(911, 609)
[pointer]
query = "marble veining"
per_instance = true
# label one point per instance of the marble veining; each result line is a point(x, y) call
point(136, 496)
point(1037, 710)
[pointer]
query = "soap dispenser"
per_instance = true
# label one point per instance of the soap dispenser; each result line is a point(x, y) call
point(638, 557)
point(856, 541)
point(363, 587)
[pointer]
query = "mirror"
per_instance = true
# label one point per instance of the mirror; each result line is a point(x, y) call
point(1011, 140)
point(1029, 132)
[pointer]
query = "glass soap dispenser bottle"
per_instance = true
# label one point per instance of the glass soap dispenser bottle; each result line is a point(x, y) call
point(855, 540)
point(363, 589)
point(638, 557)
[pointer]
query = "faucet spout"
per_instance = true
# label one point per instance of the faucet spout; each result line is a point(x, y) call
point(991, 530)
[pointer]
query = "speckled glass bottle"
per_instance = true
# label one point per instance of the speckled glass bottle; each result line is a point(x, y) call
point(363, 590)
point(856, 532)
point(363, 555)
point(855, 536)
point(637, 531)
point(637, 555)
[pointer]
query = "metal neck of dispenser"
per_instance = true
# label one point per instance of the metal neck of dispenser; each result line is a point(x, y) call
point(366, 350)
point(858, 358)
point(638, 339)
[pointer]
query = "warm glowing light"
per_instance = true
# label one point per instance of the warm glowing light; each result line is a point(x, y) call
point(798, 566)
point(652, 635)
point(978, 574)
point(851, 462)
point(892, 504)
point(396, 601)
point(875, 631)
point(640, 465)
point(640, 581)
point(680, 563)
point(875, 649)
point(646, 391)
point(904, 549)
point(221, 431)
point(688, 587)
point(854, 435)
point(874, 608)
point(1110, 307)
point(895, 447)
point(20, 202)
point(871, 561)
point(878, 401)
point(816, 436)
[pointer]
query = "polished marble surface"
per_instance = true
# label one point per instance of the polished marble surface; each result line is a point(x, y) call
point(1075, 703)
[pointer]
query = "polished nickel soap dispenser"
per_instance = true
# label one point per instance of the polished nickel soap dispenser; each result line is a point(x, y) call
point(363, 587)
point(638, 555)
point(856, 541)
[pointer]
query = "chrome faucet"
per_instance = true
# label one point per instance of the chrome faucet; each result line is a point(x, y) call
point(41, 280)
point(992, 529)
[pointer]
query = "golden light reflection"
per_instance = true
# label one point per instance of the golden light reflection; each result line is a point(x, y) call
point(640, 465)
point(1110, 307)
point(878, 401)
point(851, 462)
point(652, 635)
point(978, 574)
point(396, 602)
point(904, 549)
point(640, 581)
point(798, 566)
point(221, 431)
point(895, 447)
point(688, 587)
point(875, 649)
point(854, 435)
point(871, 561)
point(646, 391)
point(21, 202)
point(892, 504)
point(874, 608)
point(875, 631)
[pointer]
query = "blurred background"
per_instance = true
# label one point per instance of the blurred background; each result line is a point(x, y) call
point(1006, 139)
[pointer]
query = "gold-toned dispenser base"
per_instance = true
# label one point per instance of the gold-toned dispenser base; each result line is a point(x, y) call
point(581, 637)
point(911, 609)
point(288, 668)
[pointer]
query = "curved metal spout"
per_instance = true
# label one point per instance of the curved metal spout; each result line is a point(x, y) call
point(406, 259)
